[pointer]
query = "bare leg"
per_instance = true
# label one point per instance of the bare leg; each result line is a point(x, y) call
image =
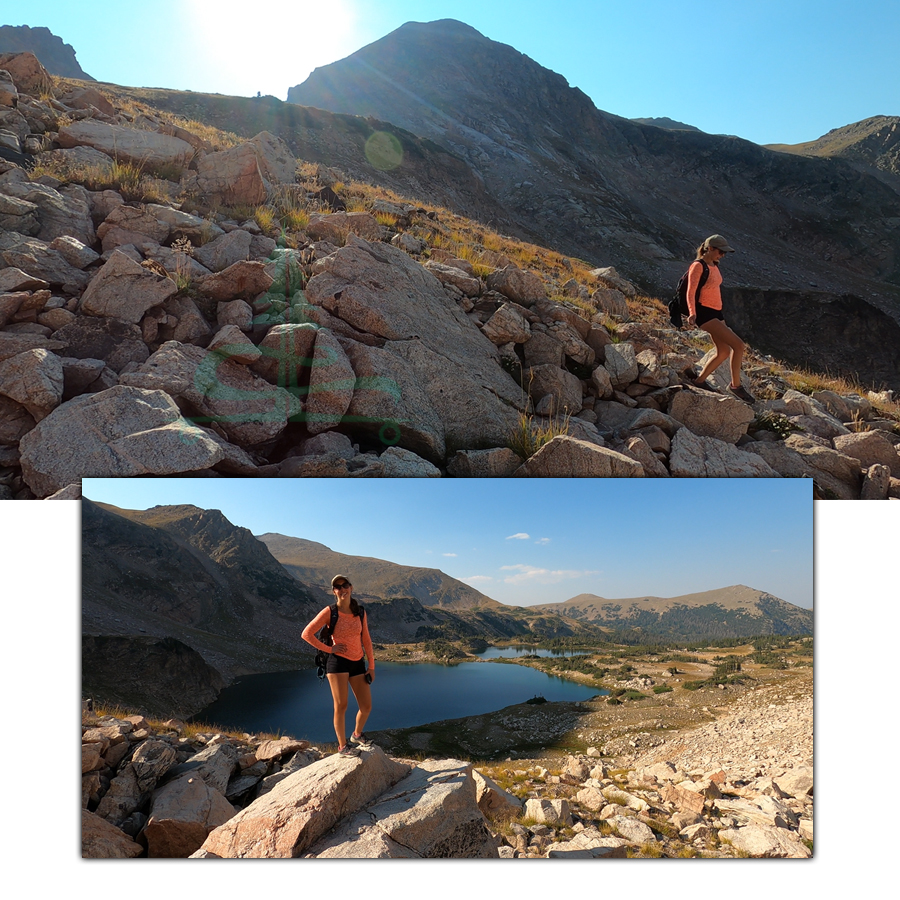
point(363, 693)
point(728, 344)
point(338, 682)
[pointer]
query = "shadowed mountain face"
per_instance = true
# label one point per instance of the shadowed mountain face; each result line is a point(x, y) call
point(189, 574)
point(56, 57)
point(317, 564)
point(615, 191)
point(738, 611)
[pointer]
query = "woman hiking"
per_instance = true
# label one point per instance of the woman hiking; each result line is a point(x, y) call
point(705, 308)
point(346, 666)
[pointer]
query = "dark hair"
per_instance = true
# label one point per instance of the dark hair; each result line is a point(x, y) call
point(354, 606)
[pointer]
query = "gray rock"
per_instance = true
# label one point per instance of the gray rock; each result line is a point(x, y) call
point(247, 408)
point(182, 815)
point(430, 814)
point(125, 290)
point(116, 433)
point(621, 363)
point(869, 448)
point(34, 379)
point(566, 457)
point(331, 384)
point(708, 414)
point(693, 456)
point(500, 462)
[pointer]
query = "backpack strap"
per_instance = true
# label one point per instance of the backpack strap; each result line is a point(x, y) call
point(704, 277)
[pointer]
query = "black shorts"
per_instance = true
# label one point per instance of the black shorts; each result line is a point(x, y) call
point(336, 664)
point(705, 314)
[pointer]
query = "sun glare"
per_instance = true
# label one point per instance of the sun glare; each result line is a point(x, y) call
point(266, 54)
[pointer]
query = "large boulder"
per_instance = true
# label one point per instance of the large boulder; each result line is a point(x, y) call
point(182, 814)
point(303, 807)
point(34, 379)
point(331, 384)
point(694, 456)
point(147, 150)
point(60, 214)
point(432, 814)
point(125, 290)
point(378, 290)
point(117, 433)
point(29, 75)
point(517, 284)
point(101, 840)
point(115, 342)
point(230, 177)
point(390, 405)
point(711, 414)
point(869, 448)
point(567, 457)
point(247, 408)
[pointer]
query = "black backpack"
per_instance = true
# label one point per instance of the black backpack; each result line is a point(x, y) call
point(324, 635)
point(678, 305)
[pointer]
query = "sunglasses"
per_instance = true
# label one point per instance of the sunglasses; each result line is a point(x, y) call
point(342, 585)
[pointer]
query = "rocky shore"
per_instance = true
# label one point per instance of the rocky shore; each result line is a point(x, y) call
point(738, 786)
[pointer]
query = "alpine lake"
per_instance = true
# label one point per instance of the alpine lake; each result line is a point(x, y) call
point(404, 696)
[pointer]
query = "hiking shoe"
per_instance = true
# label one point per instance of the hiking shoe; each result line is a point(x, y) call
point(348, 750)
point(705, 385)
point(359, 740)
point(741, 394)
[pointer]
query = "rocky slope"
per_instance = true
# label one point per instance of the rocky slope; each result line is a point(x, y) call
point(311, 561)
point(732, 611)
point(581, 179)
point(141, 333)
point(741, 786)
point(872, 146)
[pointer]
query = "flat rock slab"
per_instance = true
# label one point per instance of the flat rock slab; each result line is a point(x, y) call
point(298, 811)
point(431, 814)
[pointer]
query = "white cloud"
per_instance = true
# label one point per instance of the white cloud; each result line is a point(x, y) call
point(542, 541)
point(521, 536)
point(449, 554)
point(476, 578)
point(533, 575)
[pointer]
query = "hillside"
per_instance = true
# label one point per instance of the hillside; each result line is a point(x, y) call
point(208, 304)
point(872, 146)
point(188, 575)
point(732, 611)
point(586, 182)
point(315, 563)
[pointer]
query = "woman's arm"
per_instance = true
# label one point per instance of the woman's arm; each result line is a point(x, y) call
point(367, 643)
point(319, 622)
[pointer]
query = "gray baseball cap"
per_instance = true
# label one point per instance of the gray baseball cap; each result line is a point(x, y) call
point(717, 241)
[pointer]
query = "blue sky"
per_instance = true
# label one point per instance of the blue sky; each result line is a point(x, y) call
point(531, 541)
point(771, 71)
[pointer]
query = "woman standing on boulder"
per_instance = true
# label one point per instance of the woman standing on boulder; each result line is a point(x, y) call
point(346, 667)
point(705, 308)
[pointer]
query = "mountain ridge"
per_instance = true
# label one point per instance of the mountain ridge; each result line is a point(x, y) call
point(585, 178)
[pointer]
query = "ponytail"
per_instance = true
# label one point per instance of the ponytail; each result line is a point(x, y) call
point(701, 250)
point(354, 606)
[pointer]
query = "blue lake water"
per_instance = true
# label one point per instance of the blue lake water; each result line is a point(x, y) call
point(297, 703)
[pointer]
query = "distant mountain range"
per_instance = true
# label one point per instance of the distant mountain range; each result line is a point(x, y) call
point(735, 611)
